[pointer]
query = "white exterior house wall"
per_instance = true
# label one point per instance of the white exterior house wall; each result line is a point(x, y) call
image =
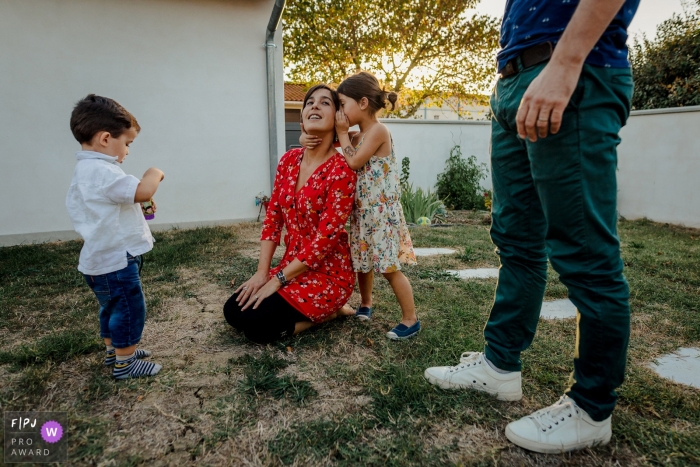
point(658, 159)
point(193, 74)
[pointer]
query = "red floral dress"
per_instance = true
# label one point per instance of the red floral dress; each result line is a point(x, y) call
point(315, 218)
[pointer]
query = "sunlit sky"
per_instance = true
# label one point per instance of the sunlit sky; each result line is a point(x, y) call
point(649, 15)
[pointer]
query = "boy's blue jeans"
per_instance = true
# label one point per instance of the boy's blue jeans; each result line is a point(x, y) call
point(122, 303)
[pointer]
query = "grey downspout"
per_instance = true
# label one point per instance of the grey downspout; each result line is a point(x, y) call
point(270, 47)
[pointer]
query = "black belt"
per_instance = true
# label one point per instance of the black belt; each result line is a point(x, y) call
point(529, 57)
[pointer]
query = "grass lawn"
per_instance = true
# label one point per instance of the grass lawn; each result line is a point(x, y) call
point(340, 394)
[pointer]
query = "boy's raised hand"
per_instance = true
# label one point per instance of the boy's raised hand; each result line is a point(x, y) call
point(148, 185)
point(342, 124)
point(308, 141)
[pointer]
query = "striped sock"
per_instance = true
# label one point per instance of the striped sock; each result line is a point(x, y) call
point(132, 367)
point(111, 356)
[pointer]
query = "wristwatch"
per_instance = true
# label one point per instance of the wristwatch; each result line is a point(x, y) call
point(282, 278)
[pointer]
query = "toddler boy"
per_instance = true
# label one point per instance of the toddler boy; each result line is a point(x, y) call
point(103, 204)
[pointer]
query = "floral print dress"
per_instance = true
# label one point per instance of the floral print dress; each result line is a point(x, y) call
point(315, 219)
point(379, 238)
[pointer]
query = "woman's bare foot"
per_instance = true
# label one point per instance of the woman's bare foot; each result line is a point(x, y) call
point(346, 310)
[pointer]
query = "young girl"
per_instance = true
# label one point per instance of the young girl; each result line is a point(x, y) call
point(379, 236)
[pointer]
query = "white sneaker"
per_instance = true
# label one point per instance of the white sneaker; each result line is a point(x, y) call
point(474, 372)
point(561, 427)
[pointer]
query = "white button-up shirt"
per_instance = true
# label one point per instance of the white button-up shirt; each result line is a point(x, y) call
point(100, 203)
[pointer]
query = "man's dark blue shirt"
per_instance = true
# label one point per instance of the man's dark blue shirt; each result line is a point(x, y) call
point(530, 22)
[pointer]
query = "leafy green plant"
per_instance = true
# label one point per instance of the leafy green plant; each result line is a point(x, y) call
point(405, 171)
point(666, 69)
point(467, 255)
point(459, 185)
point(419, 203)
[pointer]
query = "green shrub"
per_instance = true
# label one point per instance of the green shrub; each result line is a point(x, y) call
point(666, 69)
point(418, 203)
point(459, 184)
point(405, 171)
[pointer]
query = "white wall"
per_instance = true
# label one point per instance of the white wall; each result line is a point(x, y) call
point(659, 166)
point(427, 144)
point(658, 170)
point(191, 71)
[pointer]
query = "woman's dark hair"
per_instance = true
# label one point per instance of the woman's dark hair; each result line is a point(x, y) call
point(96, 113)
point(364, 84)
point(334, 95)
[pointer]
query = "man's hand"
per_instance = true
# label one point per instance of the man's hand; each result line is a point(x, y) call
point(542, 107)
point(543, 104)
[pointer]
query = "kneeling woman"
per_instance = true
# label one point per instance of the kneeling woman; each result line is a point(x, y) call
point(313, 197)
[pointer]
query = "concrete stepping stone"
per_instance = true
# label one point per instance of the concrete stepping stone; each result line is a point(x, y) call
point(433, 251)
point(681, 366)
point(558, 309)
point(478, 273)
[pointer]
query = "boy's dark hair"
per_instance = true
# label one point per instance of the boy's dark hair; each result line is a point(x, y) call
point(96, 113)
point(334, 94)
point(364, 84)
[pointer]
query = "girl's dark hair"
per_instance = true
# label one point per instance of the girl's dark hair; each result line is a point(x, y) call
point(96, 113)
point(364, 84)
point(334, 95)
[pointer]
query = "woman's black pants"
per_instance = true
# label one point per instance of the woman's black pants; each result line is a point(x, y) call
point(274, 319)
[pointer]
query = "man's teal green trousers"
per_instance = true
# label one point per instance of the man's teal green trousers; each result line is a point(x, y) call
point(556, 199)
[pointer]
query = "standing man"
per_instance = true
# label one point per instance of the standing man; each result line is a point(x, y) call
point(563, 94)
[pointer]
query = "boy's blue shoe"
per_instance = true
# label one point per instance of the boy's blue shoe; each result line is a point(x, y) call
point(403, 332)
point(364, 313)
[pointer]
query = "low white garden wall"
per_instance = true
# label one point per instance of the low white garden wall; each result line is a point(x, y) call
point(659, 166)
point(658, 170)
point(658, 178)
point(427, 144)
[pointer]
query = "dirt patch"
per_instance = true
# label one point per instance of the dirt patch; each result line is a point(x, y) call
point(174, 419)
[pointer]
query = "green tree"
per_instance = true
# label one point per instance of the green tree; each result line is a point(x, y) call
point(418, 48)
point(667, 69)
